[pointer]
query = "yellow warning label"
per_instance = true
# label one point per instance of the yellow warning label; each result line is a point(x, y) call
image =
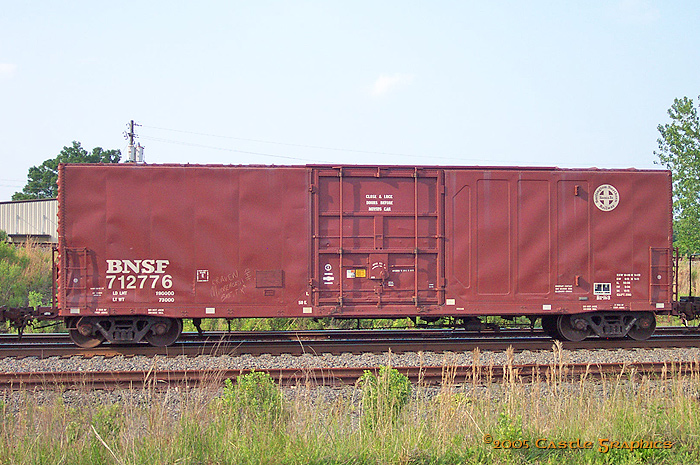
point(361, 273)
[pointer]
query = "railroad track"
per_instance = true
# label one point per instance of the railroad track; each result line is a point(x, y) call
point(473, 374)
point(336, 342)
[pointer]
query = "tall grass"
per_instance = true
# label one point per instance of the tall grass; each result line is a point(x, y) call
point(460, 421)
point(25, 275)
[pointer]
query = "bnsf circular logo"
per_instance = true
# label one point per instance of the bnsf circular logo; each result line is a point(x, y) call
point(606, 197)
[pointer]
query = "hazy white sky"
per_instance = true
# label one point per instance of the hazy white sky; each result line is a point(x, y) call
point(553, 83)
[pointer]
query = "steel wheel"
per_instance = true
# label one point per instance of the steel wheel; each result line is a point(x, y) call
point(569, 327)
point(86, 342)
point(164, 332)
point(644, 327)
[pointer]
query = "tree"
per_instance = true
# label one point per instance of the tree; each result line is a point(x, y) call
point(679, 151)
point(42, 179)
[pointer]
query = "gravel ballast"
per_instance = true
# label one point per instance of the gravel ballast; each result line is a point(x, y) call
point(266, 361)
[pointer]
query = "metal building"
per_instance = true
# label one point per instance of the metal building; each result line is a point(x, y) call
point(34, 220)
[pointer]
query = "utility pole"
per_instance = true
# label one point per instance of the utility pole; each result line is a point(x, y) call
point(134, 153)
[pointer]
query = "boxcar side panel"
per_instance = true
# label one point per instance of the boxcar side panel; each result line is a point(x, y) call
point(183, 241)
point(494, 257)
point(534, 237)
point(557, 241)
point(359, 241)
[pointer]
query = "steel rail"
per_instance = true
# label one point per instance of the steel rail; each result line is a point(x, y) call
point(302, 334)
point(398, 343)
point(336, 334)
point(474, 374)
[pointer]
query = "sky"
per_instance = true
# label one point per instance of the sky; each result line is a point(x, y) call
point(573, 84)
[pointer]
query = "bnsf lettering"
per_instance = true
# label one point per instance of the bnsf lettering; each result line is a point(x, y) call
point(138, 274)
point(137, 266)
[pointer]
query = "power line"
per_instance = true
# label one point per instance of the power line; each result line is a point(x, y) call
point(308, 146)
point(462, 160)
point(261, 154)
point(289, 144)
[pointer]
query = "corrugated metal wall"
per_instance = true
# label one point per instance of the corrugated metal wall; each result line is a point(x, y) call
point(35, 219)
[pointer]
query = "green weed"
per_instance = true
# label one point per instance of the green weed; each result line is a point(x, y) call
point(384, 395)
point(255, 397)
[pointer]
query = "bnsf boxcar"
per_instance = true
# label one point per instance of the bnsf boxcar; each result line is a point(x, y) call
point(143, 247)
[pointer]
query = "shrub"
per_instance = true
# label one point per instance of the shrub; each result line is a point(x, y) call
point(383, 396)
point(25, 275)
point(255, 396)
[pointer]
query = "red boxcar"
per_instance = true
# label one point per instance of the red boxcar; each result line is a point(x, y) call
point(142, 247)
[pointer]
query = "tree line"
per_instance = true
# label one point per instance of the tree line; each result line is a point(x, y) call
point(679, 151)
point(42, 179)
